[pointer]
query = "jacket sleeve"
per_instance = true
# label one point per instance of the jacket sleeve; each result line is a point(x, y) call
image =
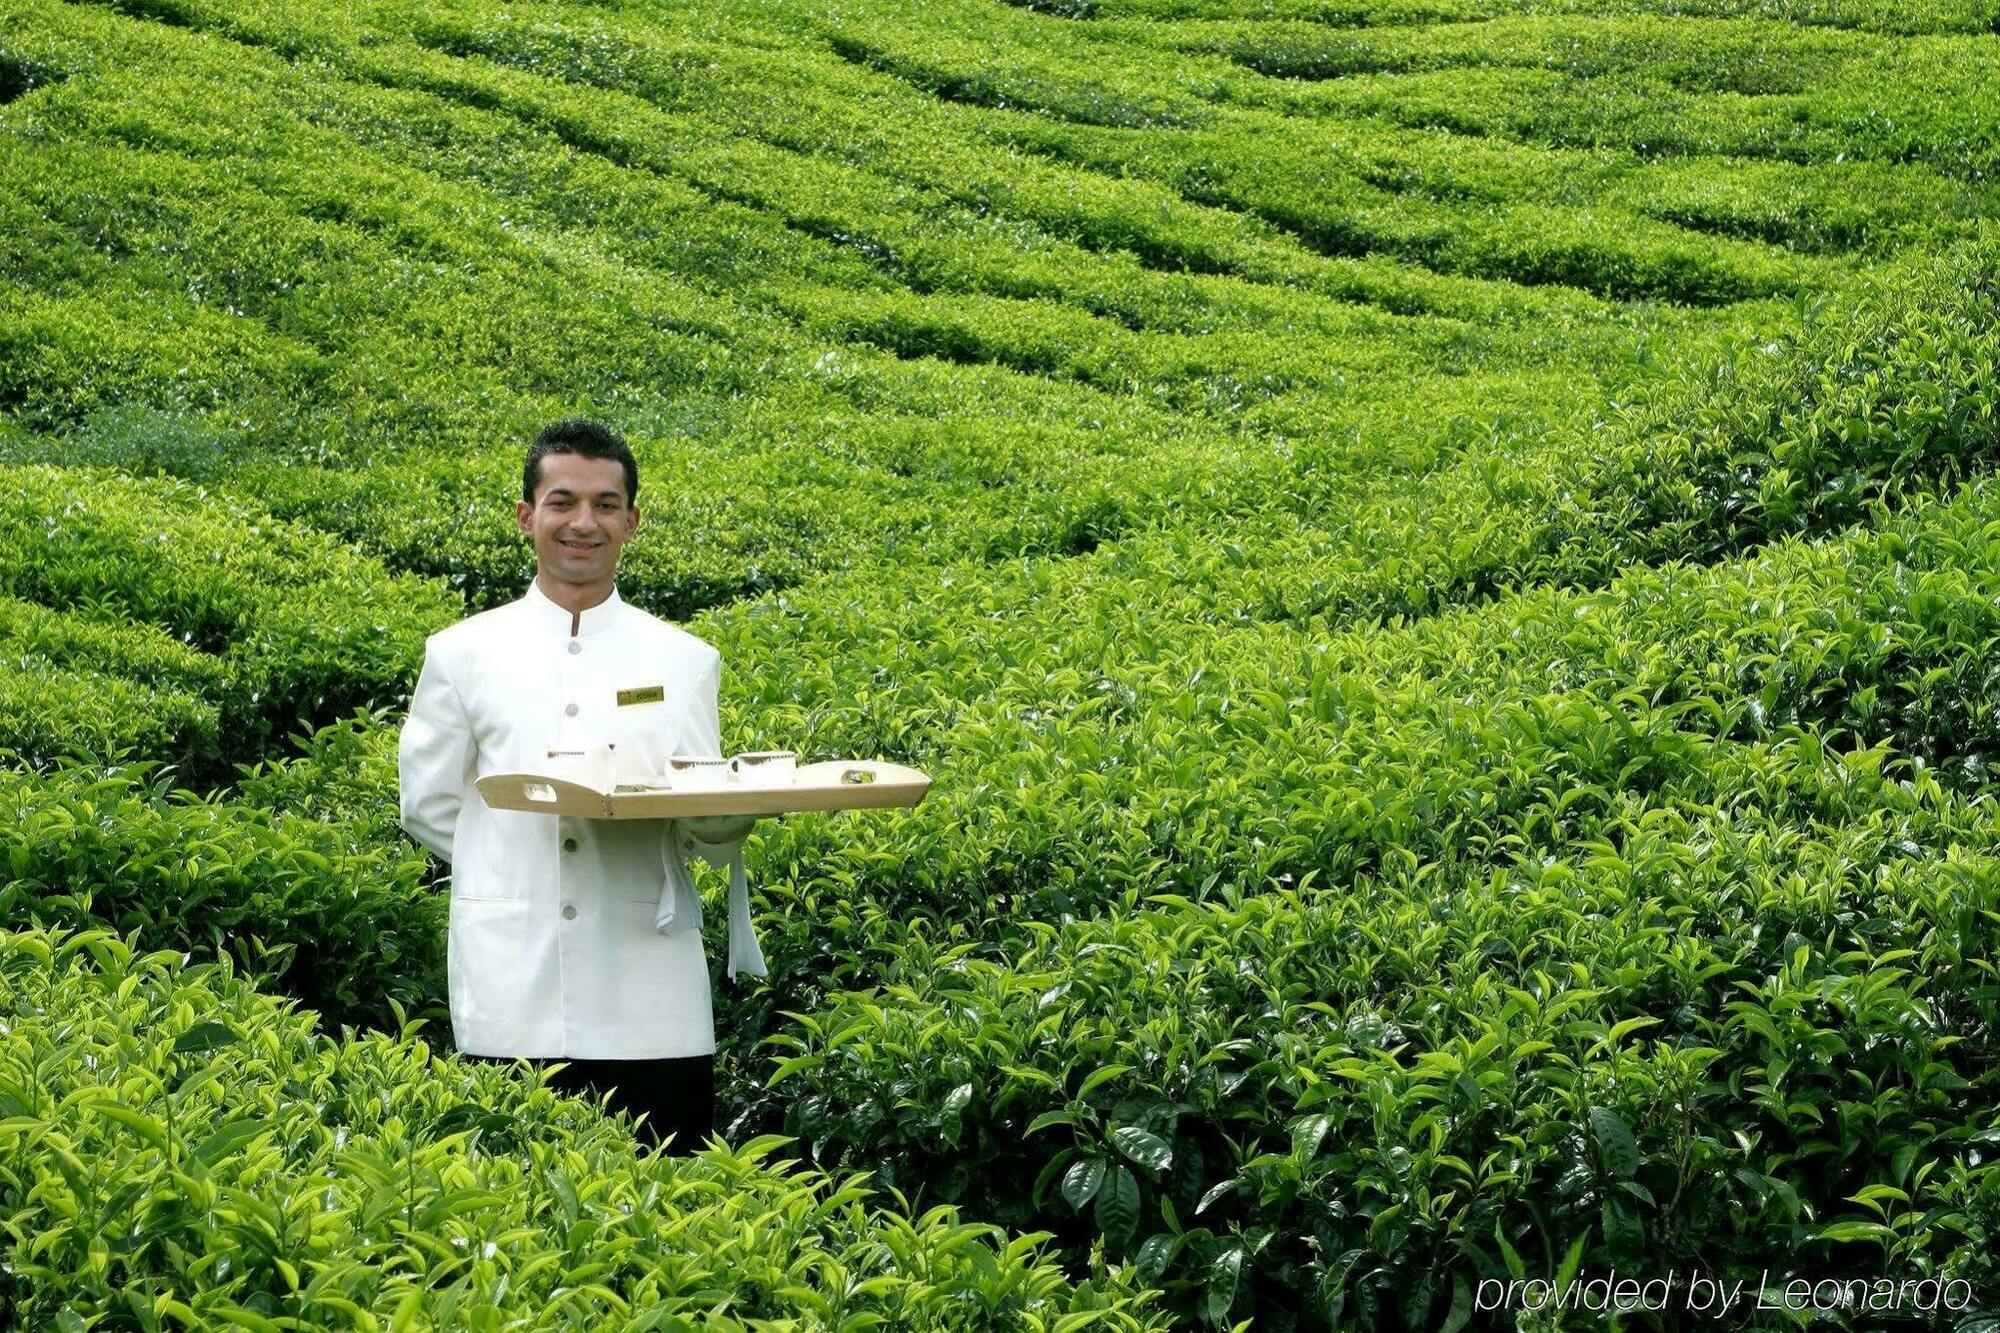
point(436, 759)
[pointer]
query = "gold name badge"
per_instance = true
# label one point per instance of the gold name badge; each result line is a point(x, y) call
point(650, 694)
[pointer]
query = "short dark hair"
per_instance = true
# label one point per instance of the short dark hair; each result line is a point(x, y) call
point(578, 435)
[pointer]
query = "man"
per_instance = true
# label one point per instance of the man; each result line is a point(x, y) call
point(560, 945)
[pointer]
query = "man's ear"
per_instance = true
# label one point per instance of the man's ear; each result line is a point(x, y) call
point(632, 521)
point(524, 515)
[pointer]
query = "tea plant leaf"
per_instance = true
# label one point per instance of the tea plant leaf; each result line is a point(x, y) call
point(1082, 1181)
point(953, 1112)
point(1219, 1294)
point(1144, 1147)
point(1855, 1230)
point(1615, 1144)
point(147, 1127)
point(1307, 1135)
point(1216, 1192)
point(205, 1037)
point(1118, 1205)
point(1100, 1076)
point(1155, 1254)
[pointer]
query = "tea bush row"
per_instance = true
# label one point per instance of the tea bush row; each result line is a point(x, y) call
point(278, 627)
point(1380, 1094)
point(1651, 84)
point(183, 1150)
point(1847, 205)
point(1888, 392)
point(1928, 16)
point(336, 912)
point(49, 712)
point(1880, 395)
point(1618, 257)
point(1753, 56)
point(765, 534)
point(1362, 196)
point(74, 685)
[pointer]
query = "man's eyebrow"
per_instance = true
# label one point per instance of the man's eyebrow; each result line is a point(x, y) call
point(564, 490)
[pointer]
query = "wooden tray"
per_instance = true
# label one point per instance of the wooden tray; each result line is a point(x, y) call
point(836, 784)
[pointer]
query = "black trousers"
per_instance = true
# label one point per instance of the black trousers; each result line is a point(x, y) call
point(675, 1097)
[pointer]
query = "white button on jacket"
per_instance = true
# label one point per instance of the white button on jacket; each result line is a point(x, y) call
point(568, 938)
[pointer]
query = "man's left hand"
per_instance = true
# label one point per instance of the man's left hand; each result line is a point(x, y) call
point(720, 828)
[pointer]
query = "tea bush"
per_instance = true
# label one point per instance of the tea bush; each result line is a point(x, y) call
point(286, 626)
point(1785, 817)
point(1881, 642)
point(1381, 1096)
point(183, 1148)
point(1928, 16)
point(49, 712)
point(77, 686)
point(1439, 554)
point(1653, 84)
point(341, 920)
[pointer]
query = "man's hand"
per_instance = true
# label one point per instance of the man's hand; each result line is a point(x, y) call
point(720, 828)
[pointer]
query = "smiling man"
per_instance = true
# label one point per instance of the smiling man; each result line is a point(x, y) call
point(559, 944)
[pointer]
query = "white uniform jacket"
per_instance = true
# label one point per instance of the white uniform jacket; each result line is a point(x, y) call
point(568, 938)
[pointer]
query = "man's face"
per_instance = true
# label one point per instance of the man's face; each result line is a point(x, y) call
point(579, 520)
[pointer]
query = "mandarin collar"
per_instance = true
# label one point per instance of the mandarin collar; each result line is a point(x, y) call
point(558, 619)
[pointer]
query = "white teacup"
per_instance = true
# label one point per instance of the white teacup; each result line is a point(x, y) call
point(697, 772)
point(595, 766)
point(764, 768)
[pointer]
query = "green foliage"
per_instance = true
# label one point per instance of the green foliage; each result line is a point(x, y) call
point(1744, 719)
point(1892, 392)
point(74, 686)
point(1440, 555)
point(49, 712)
point(1377, 1096)
point(337, 914)
point(137, 651)
point(279, 626)
point(182, 1150)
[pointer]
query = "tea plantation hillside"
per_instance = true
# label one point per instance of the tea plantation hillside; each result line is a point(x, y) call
point(1442, 556)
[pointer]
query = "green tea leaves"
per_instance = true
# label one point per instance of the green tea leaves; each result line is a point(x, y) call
point(1147, 1149)
point(1117, 1212)
point(1082, 1181)
point(1616, 1147)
